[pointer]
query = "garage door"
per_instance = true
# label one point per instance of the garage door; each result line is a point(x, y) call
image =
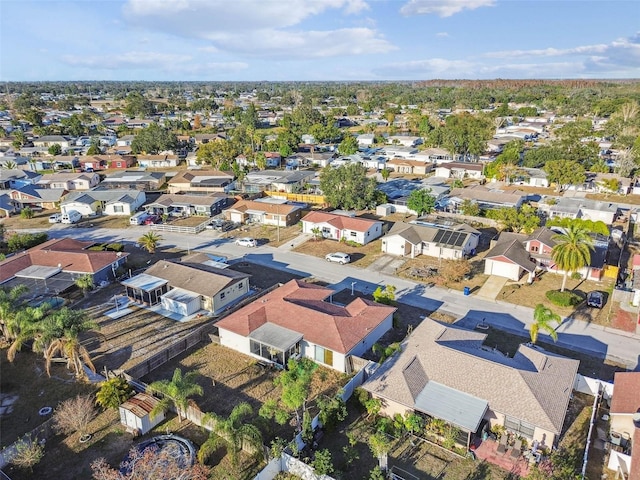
point(507, 270)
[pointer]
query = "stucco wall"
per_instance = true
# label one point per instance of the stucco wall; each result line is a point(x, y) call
point(231, 294)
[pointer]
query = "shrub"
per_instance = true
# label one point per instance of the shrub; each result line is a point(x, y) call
point(113, 393)
point(20, 241)
point(576, 276)
point(96, 248)
point(351, 243)
point(114, 247)
point(26, 212)
point(563, 299)
point(29, 452)
point(322, 462)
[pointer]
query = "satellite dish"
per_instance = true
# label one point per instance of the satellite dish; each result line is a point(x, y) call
point(636, 419)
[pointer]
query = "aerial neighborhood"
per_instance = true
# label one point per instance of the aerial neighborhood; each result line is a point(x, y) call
point(356, 281)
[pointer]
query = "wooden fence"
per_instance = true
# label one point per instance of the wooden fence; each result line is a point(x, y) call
point(299, 197)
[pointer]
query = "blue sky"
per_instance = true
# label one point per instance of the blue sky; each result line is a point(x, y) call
point(318, 39)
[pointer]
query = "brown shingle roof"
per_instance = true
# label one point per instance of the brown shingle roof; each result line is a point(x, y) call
point(300, 307)
point(626, 392)
point(271, 208)
point(188, 175)
point(341, 222)
point(533, 386)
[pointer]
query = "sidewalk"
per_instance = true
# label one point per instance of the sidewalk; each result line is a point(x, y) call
point(299, 240)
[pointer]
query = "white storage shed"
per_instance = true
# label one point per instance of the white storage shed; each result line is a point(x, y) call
point(135, 414)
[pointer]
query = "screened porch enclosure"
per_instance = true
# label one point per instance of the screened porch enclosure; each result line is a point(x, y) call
point(145, 289)
point(275, 343)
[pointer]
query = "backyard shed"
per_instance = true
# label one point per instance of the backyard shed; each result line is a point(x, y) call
point(385, 209)
point(135, 414)
point(181, 301)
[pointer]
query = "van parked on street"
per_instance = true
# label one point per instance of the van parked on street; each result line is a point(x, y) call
point(138, 218)
point(72, 216)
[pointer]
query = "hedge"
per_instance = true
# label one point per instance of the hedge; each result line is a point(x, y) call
point(563, 299)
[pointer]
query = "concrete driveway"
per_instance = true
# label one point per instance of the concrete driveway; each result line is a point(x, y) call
point(387, 264)
point(492, 287)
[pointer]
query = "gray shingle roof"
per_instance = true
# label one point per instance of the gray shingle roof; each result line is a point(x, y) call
point(514, 251)
point(415, 233)
point(533, 386)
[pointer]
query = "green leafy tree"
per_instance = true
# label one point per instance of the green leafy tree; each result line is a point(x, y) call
point(233, 432)
point(384, 173)
point(114, 392)
point(22, 241)
point(175, 392)
point(348, 187)
point(322, 462)
point(471, 208)
point(386, 296)
point(73, 125)
point(55, 149)
point(85, 283)
point(136, 105)
point(26, 212)
point(11, 302)
point(421, 201)
point(94, 148)
point(572, 250)
point(590, 226)
point(287, 143)
point(333, 410)
point(564, 173)
point(149, 241)
point(385, 352)
point(543, 317)
point(380, 444)
point(154, 139)
point(348, 146)
point(217, 153)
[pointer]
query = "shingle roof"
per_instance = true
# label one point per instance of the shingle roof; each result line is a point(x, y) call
point(482, 194)
point(544, 235)
point(168, 199)
point(271, 208)
point(195, 277)
point(514, 251)
point(70, 254)
point(341, 222)
point(415, 233)
point(626, 392)
point(533, 386)
point(187, 176)
point(301, 307)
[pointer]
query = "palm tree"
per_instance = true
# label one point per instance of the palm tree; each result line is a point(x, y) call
point(10, 304)
point(85, 283)
point(572, 250)
point(542, 318)
point(233, 431)
point(59, 332)
point(175, 391)
point(149, 241)
point(25, 326)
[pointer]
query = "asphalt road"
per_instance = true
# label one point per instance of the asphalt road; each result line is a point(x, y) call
point(577, 335)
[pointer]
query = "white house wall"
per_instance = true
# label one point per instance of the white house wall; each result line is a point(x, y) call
point(234, 341)
point(231, 294)
point(83, 208)
point(502, 269)
point(373, 337)
point(127, 209)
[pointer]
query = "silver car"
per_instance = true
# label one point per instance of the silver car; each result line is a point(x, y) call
point(338, 257)
point(246, 242)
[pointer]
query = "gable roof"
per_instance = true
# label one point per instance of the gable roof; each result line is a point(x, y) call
point(42, 194)
point(341, 222)
point(543, 235)
point(195, 277)
point(534, 386)
point(482, 194)
point(107, 196)
point(626, 393)
point(301, 307)
point(451, 237)
point(271, 208)
point(169, 199)
point(196, 176)
point(513, 249)
point(70, 254)
point(476, 167)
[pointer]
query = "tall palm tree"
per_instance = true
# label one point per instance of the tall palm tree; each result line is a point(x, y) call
point(85, 283)
point(542, 318)
point(59, 333)
point(10, 305)
point(25, 326)
point(572, 250)
point(149, 241)
point(175, 391)
point(233, 431)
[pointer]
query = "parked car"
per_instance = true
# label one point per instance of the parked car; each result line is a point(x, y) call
point(72, 216)
point(338, 257)
point(246, 242)
point(151, 219)
point(55, 218)
point(595, 299)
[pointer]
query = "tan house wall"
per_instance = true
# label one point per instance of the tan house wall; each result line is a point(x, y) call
point(231, 293)
point(622, 423)
point(390, 408)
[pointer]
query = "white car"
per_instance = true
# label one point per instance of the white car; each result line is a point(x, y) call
point(55, 218)
point(246, 242)
point(338, 257)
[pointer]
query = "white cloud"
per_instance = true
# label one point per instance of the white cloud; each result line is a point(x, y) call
point(165, 62)
point(442, 34)
point(209, 49)
point(442, 8)
point(258, 27)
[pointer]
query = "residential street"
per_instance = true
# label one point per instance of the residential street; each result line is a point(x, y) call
point(616, 345)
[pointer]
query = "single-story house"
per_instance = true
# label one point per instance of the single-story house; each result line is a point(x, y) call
point(405, 140)
point(135, 414)
point(416, 167)
point(59, 162)
point(69, 181)
point(460, 170)
point(188, 285)
point(50, 140)
point(104, 202)
point(342, 227)
point(54, 266)
point(289, 181)
point(33, 197)
point(366, 139)
point(100, 162)
point(273, 212)
point(202, 138)
point(446, 372)
point(158, 161)
point(440, 241)
point(138, 180)
point(185, 205)
point(624, 430)
point(16, 178)
point(296, 320)
point(8, 206)
point(439, 155)
point(201, 181)
point(533, 177)
point(600, 183)
point(509, 258)
point(485, 198)
point(567, 207)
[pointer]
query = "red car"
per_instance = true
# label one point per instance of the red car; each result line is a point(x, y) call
point(151, 220)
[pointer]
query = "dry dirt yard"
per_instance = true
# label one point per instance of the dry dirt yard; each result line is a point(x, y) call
point(265, 234)
point(361, 256)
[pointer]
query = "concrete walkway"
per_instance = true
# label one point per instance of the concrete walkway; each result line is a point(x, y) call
point(492, 287)
point(296, 242)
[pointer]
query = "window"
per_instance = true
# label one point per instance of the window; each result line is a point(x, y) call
point(353, 234)
point(241, 284)
point(518, 426)
point(222, 295)
point(323, 355)
point(534, 248)
point(118, 164)
point(118, 209)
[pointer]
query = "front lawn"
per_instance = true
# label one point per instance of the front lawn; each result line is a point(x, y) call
point(361, 255)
